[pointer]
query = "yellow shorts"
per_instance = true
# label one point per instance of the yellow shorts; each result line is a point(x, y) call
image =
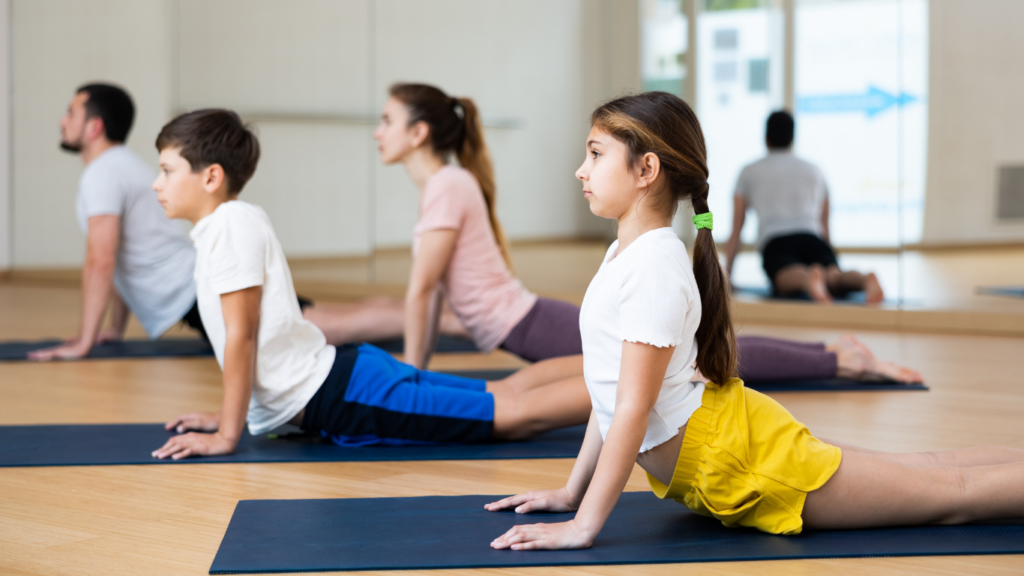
point(747, 462)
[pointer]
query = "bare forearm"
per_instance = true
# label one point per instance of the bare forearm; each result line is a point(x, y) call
point(586, 463)
point(97, 285)
point(118, 312)
point(418, 326)
point(239, 365)
point(618, 455)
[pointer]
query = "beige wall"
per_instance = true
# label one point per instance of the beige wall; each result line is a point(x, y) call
point(312, 75)
point(976, 117)
point(58, 45)
point(6, 230)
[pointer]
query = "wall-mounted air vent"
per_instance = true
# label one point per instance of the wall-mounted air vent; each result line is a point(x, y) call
point(1010, 194)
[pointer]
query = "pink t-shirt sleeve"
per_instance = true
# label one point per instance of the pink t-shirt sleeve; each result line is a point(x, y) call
point(444, 204)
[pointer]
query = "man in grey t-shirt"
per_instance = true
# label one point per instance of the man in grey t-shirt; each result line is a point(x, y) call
point(137, 260)
point(790, 199)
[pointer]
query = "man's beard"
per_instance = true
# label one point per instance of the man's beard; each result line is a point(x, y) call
point(74, 147)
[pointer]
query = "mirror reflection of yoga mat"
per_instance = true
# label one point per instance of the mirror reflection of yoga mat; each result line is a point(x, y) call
point(436, 532)
point(188, 347)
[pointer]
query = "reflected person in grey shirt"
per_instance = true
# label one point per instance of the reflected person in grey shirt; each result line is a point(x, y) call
point(790, 198)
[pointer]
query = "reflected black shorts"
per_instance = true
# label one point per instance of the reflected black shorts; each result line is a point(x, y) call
point(803, 249)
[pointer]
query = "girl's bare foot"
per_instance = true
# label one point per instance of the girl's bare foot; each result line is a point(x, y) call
point(854, 360)
point(816, 287)
point(872, 289)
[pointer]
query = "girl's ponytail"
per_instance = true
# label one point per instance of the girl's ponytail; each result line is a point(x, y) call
point(459, 134)
point(473, 156)
point(662, 124)
point(716, 340)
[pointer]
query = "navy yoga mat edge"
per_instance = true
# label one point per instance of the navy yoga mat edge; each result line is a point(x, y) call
point(164, 348)
point(453, 532)
point(132, 444)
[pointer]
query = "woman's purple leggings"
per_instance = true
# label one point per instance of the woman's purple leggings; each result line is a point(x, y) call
point(551, 329)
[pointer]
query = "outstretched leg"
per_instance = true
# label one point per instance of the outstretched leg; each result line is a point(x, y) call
point(547, 395)
point(539, 374)
point(961, 458)
point(841, 283)
point(871, 491)
point(797, 278)
point(855, 360)
point(370, 319)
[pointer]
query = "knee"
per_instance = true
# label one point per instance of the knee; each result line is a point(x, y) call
point(511, 419)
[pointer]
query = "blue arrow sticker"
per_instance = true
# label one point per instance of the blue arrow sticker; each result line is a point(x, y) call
point(873, 102)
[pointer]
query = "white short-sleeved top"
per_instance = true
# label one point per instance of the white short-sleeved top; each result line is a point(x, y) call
point(236, 249)
point(154, 258)
point(646, 294)
point(786, 193)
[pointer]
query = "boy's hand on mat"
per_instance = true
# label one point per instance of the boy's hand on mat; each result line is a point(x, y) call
point(195, 444)
point(561, 536)
point(202, 421)
point(68, 351)
point(535, 500)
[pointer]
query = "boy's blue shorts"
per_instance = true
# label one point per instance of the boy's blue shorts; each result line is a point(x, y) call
point(371, 398)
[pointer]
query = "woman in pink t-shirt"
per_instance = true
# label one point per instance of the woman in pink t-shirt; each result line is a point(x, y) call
point(459, 249)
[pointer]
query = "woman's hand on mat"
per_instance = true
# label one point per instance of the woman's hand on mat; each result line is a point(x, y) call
point(196, 444)
point(202, 421)
point(67, 351)
point(550, 500)
point(560, 536)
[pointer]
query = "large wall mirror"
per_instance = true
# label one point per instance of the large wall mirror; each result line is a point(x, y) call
point(905, 106)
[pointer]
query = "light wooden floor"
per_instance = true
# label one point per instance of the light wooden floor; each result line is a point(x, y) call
point(170, 519)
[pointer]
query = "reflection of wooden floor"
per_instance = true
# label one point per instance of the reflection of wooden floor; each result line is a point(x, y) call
point(170, 520)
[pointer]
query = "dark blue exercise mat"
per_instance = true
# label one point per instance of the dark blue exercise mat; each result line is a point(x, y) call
point(444, 344)
point(1011, 291)
point(805, 385)
point(436, 532)
point(167, 348)
point(125, 444)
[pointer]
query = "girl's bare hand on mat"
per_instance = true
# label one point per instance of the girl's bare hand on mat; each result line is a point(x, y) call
point(202, 421)
point(560, 536)
point(550, 500)
point(195, 444)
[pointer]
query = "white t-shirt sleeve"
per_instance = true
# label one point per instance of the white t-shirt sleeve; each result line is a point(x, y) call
point(238, 255)
point(654, 299)
point(102, 194)
point(742, 185)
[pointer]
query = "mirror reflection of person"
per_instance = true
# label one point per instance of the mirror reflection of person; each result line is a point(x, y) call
point(137, 260)
point(790, 198)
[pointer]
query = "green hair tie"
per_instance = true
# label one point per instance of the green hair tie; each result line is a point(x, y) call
point(702, 220)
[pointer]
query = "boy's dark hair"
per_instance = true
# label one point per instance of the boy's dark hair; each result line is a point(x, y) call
point(779, 133)
point(214, 136)
point(112, 105)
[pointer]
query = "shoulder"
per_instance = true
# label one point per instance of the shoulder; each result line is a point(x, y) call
point(453, 179)
point(658, 253)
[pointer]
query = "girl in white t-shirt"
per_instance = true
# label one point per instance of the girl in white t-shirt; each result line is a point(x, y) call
point(659, 358)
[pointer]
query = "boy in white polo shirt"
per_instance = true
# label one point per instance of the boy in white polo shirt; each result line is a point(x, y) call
point(278, 367)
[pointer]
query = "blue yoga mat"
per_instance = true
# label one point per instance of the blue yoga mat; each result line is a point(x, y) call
point(805, 385)
point(186, 347)
point(450, 532)
point(1011, 291)
point(126, 444)
point(168, 348)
